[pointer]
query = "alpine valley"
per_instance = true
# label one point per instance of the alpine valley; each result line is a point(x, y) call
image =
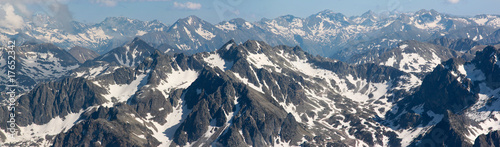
point(391, 79)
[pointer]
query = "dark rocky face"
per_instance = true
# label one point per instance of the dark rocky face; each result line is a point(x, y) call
point(490, 139)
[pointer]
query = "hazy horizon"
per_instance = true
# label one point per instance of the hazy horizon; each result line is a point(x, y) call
point(215, 11)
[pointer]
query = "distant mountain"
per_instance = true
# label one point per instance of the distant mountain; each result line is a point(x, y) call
point(82, 54)
point(129, 55)
point(325, 33)
point(189, 34)
point(37, 63)
point(410, 56)
point(493, 38)
point(100, 37)
point(475, 33)
point(461, 45)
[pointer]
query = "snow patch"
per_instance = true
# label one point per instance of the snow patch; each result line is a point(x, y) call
point(260, 60)
point(413, 62)
point(53, 127)
point(140, 33)
point(177, 80)
point(389, 62)
point(214, 60)
point(122, 92)
point(227, 26)
point(247, 82)
point(165, 133)
point(404, 46)
point(204, 33)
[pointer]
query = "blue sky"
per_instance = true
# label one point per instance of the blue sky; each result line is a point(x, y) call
point(214, 11)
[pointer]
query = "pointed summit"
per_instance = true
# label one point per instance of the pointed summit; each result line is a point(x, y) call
point(191, 20)
point(187, 21)
point(137, 40)
point(326, 11)
point(234, 24)
point(139, 43)
point(430, 12)
point(369, 14)
point(239, 21)
point(128, 55)
point(229, 44)
point(288, 18)
point(118, 20)
point(331, 14)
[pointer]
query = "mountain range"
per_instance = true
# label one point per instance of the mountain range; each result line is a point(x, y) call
point(254, 94)
point(399, 79)
point(325, 33)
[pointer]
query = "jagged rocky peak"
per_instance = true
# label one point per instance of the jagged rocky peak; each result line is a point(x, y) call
point(452, 130)
point(231, 50)
point(239, 22)
point(455, 97)
point(139, 43)
point(487, 62)
point(255, 46)
point(191, 20)
point(368, 18)
point(130, 54)
point(110, 21)
point(228, 45)
point(490, 139)
point(232, 107)
point(331, 13)
point(124, 58)
point(288, 18)
point(370, 14)
point(452, 100)
point(427, 15)
point(235, 24)
point(331, 17)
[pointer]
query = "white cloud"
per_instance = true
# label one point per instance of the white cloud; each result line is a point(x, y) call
point(187, 5)
point(15, 13)
point(453, 1)
point(8, 17)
